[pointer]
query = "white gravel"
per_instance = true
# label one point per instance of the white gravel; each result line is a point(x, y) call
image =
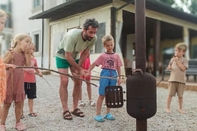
point(49, 111)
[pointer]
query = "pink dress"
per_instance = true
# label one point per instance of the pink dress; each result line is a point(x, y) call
point(86, 66)
point(15, 82)
point(2, 81)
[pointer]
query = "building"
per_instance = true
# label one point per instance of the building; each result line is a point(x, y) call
point(51, 19)
point(6, 35)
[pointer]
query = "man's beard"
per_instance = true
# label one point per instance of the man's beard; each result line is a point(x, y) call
point(88, 38)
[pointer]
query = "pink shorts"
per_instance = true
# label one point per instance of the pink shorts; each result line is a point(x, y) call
point(86, 66)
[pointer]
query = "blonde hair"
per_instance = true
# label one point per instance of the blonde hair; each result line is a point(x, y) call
point(18, 38)
point(107, 38)
point(2, 13)
point(181, 46)
point(34, 46)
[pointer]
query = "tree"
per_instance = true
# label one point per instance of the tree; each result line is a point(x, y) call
point(189, 6)
point(193, 7)
point(169, 2)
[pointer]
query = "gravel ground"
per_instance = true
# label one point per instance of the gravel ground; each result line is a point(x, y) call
point(49, 111)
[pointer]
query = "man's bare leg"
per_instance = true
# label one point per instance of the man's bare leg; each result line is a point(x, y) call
point(76, 91)
point(63, 92)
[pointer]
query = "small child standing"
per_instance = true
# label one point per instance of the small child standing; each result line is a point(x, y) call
point(178, 65)
point(110, 63)
point(30, 83)
point(20, 56)
point(3, 66)
point(86, 66)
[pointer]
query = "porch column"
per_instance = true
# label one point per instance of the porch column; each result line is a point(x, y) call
point(157, 53)
point(113, 24)
point(186, 41)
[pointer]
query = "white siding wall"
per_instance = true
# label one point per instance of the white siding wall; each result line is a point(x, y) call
point(21, 11)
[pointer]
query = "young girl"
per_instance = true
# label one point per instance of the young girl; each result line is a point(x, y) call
point(2, 65)
point(20, 56)
point(30, 83)
point(110, 62)
point(86, 66)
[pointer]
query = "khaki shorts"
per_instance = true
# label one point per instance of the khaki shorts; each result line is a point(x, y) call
point(176, 88)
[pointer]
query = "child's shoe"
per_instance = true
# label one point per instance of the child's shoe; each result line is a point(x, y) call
point(109, 116)
point(99, 118)
point(92, 103)
point(81, 103)
point(2, 128)
point(20, 127)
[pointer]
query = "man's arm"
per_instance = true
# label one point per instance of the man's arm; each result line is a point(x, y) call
point(69, 58)
point(83, 57)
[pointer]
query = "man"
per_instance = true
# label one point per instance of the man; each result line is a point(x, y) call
point(74, 42)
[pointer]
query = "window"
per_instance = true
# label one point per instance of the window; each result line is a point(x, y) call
point(100, 33)
point(36, 42)
point(3, 7)
point(36, 3)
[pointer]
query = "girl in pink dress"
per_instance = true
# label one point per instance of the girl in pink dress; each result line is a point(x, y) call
point(30, 83)
point(19, 56)
point(3, 66)
point(86, 66)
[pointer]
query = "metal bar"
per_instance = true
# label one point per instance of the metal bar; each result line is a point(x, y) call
point(156, 46)
point(140, 36)
point(140, 29)
point(113, 25)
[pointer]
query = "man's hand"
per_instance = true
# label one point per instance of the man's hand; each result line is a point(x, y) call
point(81, 72)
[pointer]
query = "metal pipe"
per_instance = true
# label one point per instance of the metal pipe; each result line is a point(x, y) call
point(140, 34)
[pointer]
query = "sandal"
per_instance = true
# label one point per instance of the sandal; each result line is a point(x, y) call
point(22, 116)
point(20, 127)
point(2, 128)
point(99, 118)
point(78, 112)
point(109, 116)
point(81, 103)
point(32, 114)
point(92, 103)
point(67, 115)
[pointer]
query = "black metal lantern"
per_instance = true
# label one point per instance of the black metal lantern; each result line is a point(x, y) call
point(141, 95)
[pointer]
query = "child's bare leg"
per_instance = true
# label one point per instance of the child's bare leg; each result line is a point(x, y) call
point(168, 104)
point(30, 104)
point(80, 94)
point(99, 104)
point(18, 110)
point(1, 108)
point(89, 90)
point(5, 109)
point(107, 110)
point(181, 105)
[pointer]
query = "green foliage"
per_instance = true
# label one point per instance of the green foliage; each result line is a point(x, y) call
point(169, 2)
point(191, 5)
